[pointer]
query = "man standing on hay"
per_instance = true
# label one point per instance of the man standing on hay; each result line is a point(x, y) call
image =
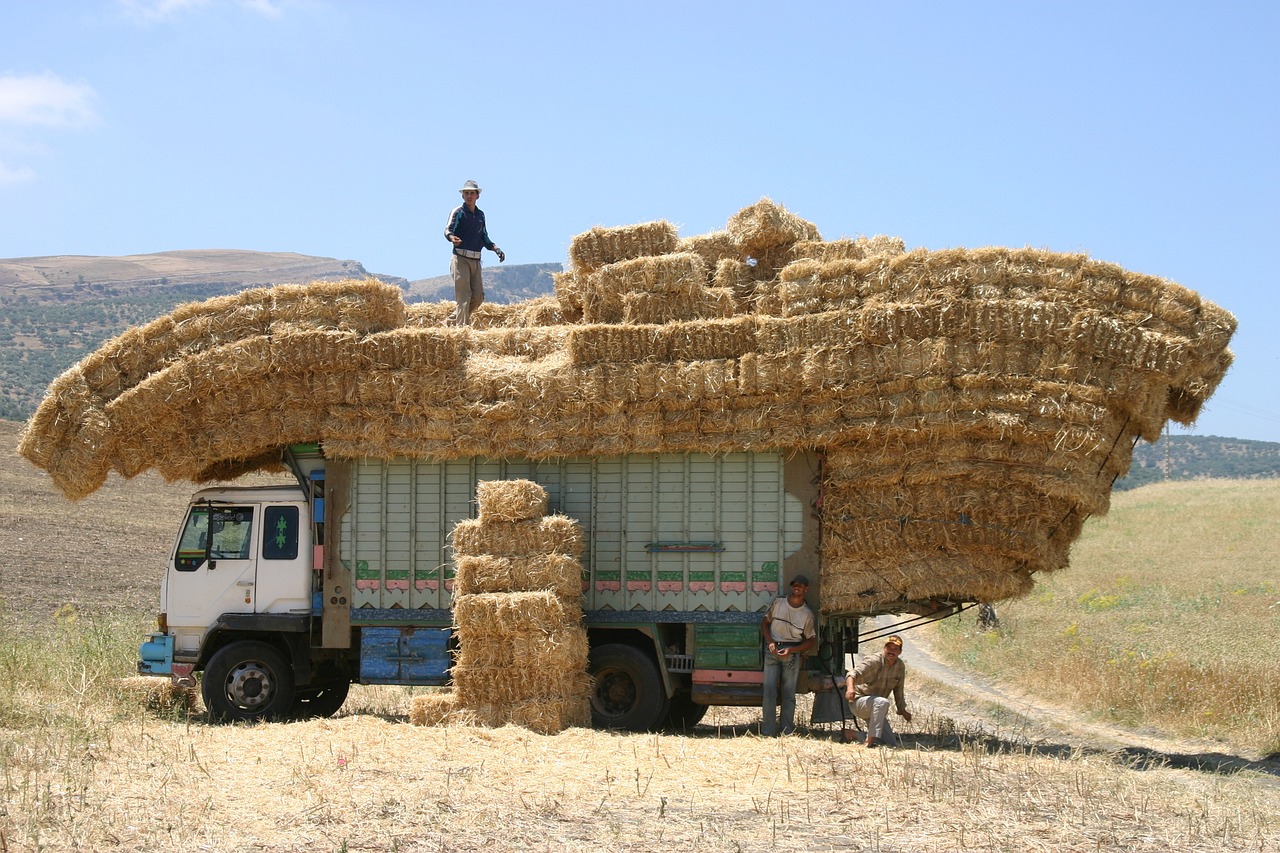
point(468, 234)
point(868, 688)
point(789, 632)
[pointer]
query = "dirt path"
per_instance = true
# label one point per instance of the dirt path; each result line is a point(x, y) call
point(1009, 717)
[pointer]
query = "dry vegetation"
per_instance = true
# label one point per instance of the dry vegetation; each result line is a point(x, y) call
point(1168, 617)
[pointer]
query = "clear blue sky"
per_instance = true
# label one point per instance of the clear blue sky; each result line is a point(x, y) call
point(1144, 133)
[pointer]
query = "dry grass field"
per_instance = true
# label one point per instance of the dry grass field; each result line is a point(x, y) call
point(1169, 616)
point(87, 767)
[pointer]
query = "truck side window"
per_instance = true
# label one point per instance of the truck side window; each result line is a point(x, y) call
point(232, 526)
point(227, 527)
point(280, 533)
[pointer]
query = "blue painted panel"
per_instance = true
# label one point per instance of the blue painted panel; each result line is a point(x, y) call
point(404, 656)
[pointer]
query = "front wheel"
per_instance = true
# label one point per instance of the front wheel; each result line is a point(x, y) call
point(248, 680)
point(628, 689)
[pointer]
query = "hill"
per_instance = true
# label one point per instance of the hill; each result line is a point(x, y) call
point(503, 284)
point(1199, 457)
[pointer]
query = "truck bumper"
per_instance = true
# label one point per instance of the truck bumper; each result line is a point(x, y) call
point(155, 656)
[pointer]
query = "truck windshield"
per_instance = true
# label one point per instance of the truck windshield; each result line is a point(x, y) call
point(220, 532)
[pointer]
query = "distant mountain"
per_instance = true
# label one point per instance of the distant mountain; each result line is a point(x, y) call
point(1199, 457)
point(502, 283)
point(56, 310)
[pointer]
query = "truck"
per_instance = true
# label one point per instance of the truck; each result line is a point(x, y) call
point(282, 596)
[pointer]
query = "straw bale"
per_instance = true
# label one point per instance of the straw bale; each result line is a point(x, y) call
point(510, 500)
point(601, 246)
point(505, 614)
point(556, 573)
point(849, 249)
point(650, 308)
point(477, 686)
point(559, 650)
point(433, 709)
point(554, 534)
point(765, 226)
point(544, 716)
point(712, 247)
point(889, 586)
point(156, 693)
point(569, 289)
point(682, 273)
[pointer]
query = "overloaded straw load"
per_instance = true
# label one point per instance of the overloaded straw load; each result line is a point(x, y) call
point(522, 646)
point(973, 405)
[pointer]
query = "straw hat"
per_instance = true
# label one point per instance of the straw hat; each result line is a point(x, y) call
point(469, 185)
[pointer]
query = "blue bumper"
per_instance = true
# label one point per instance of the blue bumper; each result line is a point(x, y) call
point(155, 656)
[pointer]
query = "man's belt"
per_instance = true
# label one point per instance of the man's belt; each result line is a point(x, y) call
point(467, 253)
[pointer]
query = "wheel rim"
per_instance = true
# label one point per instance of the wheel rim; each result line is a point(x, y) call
point(615, 693)
point(250, 685)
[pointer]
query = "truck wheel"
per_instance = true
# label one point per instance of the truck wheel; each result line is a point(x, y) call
point(685, 713)
point(324, 701)
point(248, 681)
point(628, 689)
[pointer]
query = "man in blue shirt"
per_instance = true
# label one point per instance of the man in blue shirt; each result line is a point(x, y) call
point(468, 234)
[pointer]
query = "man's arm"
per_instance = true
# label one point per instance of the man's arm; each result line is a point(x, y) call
point(450, 229)
point(900, 697)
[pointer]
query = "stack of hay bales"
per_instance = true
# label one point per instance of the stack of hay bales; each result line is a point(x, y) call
point(973, 405)
point(522, 647)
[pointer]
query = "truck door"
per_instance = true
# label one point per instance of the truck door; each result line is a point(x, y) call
point(213, 571)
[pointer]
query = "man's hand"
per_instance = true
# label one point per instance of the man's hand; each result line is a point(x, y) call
point(906, 715)
point(455, 239)
point(502, 256)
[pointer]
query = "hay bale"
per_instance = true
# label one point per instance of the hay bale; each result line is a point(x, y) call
point(502, 615)
point(712, 247)
point(764, 228)
point(544, 716)
point(563, 649)
point(510, 500)
point(477, 686)
point(156, 693)
point(433, 709)
point(594, 249)
point(555, 534)
point(556, 573)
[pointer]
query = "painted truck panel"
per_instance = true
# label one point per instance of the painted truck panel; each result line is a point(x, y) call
point(685, 532)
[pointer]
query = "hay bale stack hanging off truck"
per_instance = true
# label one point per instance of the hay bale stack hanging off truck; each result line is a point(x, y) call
point(972, 406)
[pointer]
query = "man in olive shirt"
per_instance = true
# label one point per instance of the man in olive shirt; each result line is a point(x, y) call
point(868, 689)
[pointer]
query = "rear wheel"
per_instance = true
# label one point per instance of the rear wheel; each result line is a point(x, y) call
point(248, 681)
point(685, 713)
point(628, 689)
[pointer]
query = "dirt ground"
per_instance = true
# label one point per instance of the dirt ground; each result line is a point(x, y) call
point(101, 554)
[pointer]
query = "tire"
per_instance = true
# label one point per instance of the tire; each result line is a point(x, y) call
point(684, 713)
point(315, 702)
point(248, 681)
point(628, 691)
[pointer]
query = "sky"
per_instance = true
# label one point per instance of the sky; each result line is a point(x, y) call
point(1142, 133)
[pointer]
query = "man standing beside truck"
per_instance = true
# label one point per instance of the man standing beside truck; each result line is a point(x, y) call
point(869, 687)
point(468, 234)
point(789, 631)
